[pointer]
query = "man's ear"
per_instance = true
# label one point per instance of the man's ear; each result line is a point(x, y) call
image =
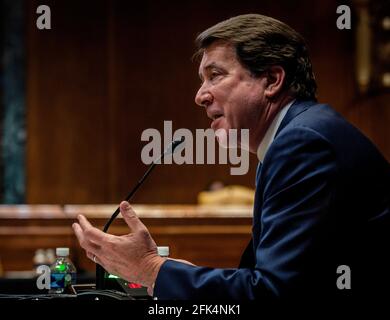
point(275, 80)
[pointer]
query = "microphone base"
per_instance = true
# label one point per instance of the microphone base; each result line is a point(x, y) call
point(116, 290)
point(89, 292)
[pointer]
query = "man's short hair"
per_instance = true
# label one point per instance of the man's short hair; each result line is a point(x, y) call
point(261, 42)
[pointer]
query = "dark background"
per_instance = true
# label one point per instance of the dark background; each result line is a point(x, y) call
point(107, 70)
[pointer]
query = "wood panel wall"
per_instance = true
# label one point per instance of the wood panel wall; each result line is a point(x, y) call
point(110, 69)
point(205, 235)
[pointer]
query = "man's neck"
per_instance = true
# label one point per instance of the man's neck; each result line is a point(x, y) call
point(274, 109)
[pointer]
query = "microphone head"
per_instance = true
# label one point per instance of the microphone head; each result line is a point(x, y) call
point(176, 143)
point(173, 146)
point(169, 150)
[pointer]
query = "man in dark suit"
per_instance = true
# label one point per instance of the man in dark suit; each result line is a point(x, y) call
point(322, 188)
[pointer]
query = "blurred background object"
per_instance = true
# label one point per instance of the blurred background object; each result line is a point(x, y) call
point(219, 194)
point(196, 233)
point(1, 268)
point(372, 46)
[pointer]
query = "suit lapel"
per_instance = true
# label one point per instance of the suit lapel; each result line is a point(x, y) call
point(247, 258)
point(296, 108)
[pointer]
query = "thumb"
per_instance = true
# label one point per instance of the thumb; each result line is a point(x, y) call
point(130, 217)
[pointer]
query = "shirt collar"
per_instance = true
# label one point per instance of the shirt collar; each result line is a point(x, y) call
point(271, 131)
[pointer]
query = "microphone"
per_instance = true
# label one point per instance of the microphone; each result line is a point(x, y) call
point(100, 272)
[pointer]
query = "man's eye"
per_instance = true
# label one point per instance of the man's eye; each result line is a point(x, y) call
point(213, 75)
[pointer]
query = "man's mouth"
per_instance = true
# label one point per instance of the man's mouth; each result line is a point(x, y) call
point(216, 120)
point(215, 117)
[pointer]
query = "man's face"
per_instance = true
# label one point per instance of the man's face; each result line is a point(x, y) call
point(232, 97)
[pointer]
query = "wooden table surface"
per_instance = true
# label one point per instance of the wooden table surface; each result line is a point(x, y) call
point(212, 236)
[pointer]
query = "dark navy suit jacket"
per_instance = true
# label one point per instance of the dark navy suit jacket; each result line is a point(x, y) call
point(322, 201)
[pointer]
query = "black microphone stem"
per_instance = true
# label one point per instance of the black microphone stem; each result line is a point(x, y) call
point(100, 272)
point(129, 196)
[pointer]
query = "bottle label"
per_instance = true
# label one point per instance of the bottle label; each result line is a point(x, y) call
point(62, 280)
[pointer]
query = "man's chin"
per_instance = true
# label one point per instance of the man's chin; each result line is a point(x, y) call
point(226, 141)
point(222, 143)
point(222, 137)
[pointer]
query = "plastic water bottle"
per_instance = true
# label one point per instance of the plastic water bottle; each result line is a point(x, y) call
point(163, 251)
point(62, 272)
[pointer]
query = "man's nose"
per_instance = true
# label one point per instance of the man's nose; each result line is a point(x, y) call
point(203, 98)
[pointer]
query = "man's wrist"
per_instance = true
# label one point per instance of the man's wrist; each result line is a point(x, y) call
point(154, 268)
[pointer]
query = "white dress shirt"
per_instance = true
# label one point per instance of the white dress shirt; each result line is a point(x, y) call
point(271, 131)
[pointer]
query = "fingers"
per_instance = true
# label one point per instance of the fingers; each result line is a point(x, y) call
point(78, 232)
point(84, 241)
point(131, 218)
point(92, 232)
point(90, 238)
point(84, 223)
point(92, 256)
